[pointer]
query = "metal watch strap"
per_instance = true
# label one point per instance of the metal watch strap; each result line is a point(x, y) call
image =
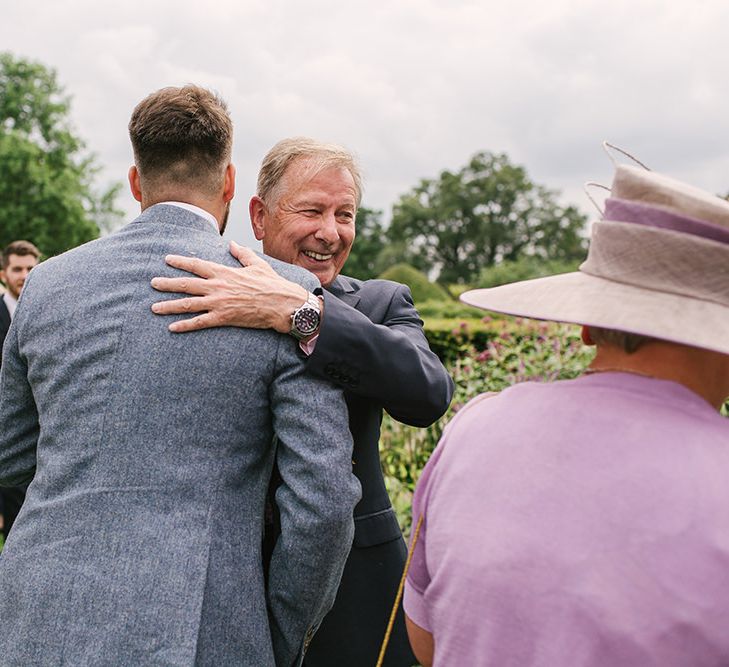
point(305, 319)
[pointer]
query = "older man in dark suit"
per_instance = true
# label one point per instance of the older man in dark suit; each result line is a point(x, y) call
point(363, 336)
point(18, 259)
point(140, 539)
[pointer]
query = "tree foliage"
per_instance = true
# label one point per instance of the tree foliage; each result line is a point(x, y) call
point(46, 174)
point(364, 259)
point(488, 212)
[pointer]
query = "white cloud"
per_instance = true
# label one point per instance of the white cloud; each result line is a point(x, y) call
point(413, 86)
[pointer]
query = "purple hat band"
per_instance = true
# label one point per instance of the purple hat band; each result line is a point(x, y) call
point(623, 210)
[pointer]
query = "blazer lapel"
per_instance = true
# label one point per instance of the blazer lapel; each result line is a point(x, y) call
point(344, 290)
point(4, 315)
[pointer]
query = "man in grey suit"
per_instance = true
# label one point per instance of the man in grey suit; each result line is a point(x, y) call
point(140, 539)
point(366, 337)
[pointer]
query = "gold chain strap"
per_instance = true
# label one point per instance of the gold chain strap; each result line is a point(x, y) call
point(400, 588)
point(411, 550)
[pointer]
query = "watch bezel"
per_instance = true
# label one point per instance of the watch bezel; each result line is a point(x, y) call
point(309, 310)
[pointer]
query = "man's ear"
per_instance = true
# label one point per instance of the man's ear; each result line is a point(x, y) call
point(586, 337)
point(257, 211)
point(229, 186)
point(134, 183)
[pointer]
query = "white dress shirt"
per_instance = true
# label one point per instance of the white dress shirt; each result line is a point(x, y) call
point(11, 303)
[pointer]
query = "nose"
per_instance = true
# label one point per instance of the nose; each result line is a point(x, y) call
point(327, 231)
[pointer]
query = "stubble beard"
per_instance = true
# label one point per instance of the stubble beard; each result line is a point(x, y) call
point(224, 221)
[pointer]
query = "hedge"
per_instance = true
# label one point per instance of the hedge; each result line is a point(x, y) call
point(420, 287)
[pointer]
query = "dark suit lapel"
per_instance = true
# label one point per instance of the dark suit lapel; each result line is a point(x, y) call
point(4, 316)
point(345, 291)
point(4, 324)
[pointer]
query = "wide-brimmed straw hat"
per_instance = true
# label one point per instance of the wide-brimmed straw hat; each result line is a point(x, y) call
point(658, 265)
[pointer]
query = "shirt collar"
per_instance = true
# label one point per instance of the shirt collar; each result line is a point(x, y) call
point(10, 302)
point(196, 210)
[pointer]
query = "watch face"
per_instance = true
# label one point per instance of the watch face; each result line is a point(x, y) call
point(306, 320)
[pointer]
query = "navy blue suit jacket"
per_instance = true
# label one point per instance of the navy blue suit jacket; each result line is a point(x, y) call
point(372, 344)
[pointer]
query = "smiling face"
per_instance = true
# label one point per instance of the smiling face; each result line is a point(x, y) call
point(312, 222)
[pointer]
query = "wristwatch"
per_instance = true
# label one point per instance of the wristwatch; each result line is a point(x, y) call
point(306, 318)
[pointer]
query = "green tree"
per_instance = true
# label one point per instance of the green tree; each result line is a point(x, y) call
point(488, 212)
point(47, 194)
point(364, 259)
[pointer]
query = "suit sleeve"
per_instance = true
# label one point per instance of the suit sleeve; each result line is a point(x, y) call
point(19, 426)
point(390, 363)
point(316, 502)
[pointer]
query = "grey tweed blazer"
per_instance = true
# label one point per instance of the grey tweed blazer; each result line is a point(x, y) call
point(139, 542)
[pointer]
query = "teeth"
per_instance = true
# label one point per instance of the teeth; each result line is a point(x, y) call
point(316, 255)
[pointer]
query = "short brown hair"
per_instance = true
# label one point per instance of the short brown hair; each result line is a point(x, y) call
point(20, 248)
point(628, 342)
point(287, 151)
point(182, 136)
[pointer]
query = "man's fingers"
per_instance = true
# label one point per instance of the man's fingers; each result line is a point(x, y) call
point(195, 286)
point(200, 267)
point(204, 321)
point(244, 255)
point(187, 305)
point(177, 306)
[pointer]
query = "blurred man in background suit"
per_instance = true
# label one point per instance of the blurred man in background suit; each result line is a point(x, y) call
point(17, 261)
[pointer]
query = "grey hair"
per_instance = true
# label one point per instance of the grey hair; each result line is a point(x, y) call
point(319, 155)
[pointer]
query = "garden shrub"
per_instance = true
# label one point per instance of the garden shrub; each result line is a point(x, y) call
point(448, 308)
point(523, 268)
point(451, 339)
point(420, 287)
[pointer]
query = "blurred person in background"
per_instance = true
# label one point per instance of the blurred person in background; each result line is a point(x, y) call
point(17, 260)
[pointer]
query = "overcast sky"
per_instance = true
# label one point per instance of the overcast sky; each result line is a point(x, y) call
point(413, 87)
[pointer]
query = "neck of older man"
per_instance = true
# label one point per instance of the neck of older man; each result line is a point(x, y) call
point(704, 372)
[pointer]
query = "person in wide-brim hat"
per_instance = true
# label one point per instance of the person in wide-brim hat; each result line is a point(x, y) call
point(658, 266)
point(584, 522)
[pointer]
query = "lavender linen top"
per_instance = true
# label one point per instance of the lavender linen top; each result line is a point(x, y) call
point(584, 522)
